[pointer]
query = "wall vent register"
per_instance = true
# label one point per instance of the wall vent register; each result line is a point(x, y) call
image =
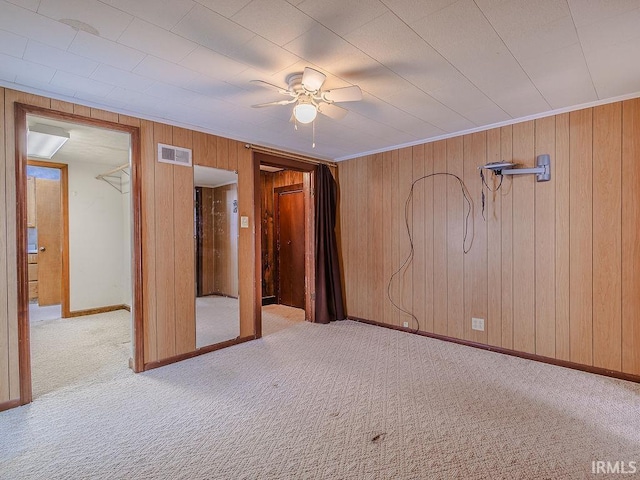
point(174, 155)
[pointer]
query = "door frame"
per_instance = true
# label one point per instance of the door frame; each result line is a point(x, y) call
point(24, 348)
point(295, 188)
point(64, 197)
point(309, 183)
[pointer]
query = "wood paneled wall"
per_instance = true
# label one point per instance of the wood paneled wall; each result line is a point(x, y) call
point(269, 181)
point(226, 154)
point(554, 267)
point(225, 240)
point(168, 246)
point(218, 241)
point(167, 231)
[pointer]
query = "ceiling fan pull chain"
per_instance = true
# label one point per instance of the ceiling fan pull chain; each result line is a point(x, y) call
point(313, 133)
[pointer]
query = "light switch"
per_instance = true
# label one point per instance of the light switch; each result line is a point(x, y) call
point(244, 222)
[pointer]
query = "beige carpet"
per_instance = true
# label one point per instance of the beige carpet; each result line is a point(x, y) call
point(279, 317)
point(38, 313)
point(73, 352)
point(67, 353)
point(339, 401)
point(217, 320)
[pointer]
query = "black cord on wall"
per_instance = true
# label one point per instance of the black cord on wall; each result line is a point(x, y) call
point(409, 259)
point(484, 184)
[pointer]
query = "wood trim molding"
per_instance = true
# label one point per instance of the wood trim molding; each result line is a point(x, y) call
point(265, 154)
point(293, 188)
point(21, 111)
point(136, 250)
point(514, 353)
point(9, 405)
point(24, 343)
point(66, 276)
point(308, 188)
point(94, 311)
point(270, 300)
point(296, 187)
point(200, 351)
point(257, 248)
point(74, 118)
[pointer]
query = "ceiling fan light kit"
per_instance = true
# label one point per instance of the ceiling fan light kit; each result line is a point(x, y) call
point(305, 90)
point(305, 111)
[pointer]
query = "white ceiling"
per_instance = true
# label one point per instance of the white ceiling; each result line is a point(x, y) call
point(212, 177)
point(88, 144)
point(427, 68)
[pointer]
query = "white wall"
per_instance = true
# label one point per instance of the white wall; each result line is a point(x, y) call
point(97, 254)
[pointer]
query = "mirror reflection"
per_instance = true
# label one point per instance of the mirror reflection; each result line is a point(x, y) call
point(216, 226)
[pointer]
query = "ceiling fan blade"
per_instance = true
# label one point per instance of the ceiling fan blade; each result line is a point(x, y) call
point(271, 86)
point(332, 111)
point(346, 94)
point(312, 79)
point(269, 104)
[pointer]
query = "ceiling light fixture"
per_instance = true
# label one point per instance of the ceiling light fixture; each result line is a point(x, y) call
point(43, 141)
point(305, 111)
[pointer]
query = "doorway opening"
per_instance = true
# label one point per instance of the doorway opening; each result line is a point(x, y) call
point(47, 233)
point(287, 240)
point(77, 259)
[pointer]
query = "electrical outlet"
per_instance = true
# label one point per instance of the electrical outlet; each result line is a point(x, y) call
point(405, 324)
point(477, 324)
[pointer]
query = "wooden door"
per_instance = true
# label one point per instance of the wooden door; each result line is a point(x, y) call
point(49, 224)
point(289, 213)
point(225, 199)
point(31, 202)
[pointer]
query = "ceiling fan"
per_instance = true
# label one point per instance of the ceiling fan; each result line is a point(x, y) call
point(305, 91)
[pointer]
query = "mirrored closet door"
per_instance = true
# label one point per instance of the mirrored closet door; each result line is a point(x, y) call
point(216, 227)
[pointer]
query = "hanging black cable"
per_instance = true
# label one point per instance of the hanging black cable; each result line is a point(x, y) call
point(409, 259)
point(484, 184)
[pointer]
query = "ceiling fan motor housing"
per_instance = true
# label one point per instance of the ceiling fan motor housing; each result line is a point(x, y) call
point(294, 81)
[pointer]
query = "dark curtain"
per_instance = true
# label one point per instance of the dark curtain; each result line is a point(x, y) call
point(329, 301)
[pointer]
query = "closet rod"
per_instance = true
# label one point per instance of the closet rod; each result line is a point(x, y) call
point(111, 172)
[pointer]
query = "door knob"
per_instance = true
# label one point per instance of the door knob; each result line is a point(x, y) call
point(42, 249)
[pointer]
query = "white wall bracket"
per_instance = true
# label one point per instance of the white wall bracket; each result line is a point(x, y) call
point(542, 170)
